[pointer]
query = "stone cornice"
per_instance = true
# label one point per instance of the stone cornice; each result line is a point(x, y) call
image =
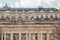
point(28, 26)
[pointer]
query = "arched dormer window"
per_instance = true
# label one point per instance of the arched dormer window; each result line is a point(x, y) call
point(56, 18)
point(37, 17)
point(7, 18)
point(20, 17)
point(2, 17)
point(46, 17)
point(52, 17)
point(59, 16)
point(13, 17)
point(27, 17)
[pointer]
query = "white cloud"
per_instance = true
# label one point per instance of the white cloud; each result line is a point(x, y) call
point(0, 5)
point(37, 3)
point(32, 3)
point(29, 3)
point(49, 3)
point(17, 4)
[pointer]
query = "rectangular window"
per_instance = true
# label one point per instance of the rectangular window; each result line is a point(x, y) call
point(8, 36)
point(50, 36)
point(32, 35)
point(44, 36)
point(23, 36)
point(36, 36)
point(15, 36)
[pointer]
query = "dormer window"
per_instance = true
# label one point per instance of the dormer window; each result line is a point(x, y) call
point(7, 18)
point(46, 17)
point(27, 18)
point(51, 17)
point(56, 18)
point(13, 17)
point(2, 17)
point(37, 17)
point(19, 17)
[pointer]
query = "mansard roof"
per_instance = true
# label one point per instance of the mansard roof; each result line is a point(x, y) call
point(5, 8)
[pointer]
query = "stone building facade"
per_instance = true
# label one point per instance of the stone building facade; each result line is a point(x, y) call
point(28, 23)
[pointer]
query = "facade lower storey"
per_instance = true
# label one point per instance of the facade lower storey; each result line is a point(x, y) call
point(26, 34)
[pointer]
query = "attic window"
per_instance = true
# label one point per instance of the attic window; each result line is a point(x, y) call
point(2, 17)
point(7, 18)
point(46, 17)
point(13, 17)
point(37, 17)
point(19, 17)
point(27, 17)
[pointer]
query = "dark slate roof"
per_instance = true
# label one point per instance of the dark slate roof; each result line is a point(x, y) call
point(5, 8)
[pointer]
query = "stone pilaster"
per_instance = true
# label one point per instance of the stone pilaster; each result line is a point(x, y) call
point(11, 36)
point(39, 38)
point(2, 36)
point(48, 36)
point(19, 36)
point(34, 36)
point(26, 36)
point(29, 36)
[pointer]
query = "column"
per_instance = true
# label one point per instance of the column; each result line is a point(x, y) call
point(19, 36)
point(26, 36)
point(29, 36)
point(4, 36)
point(47, 36)
point(11, 36)
point(33, 36)
point(39, 36)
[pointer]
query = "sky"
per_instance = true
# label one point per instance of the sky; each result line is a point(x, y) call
point(30, 3)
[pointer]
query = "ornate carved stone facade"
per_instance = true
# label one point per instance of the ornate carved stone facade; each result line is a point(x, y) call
point(28, 23)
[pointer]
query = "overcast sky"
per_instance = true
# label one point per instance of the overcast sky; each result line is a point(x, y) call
point(30, 3)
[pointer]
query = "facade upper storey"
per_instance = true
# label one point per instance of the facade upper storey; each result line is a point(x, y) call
point(28, 14)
